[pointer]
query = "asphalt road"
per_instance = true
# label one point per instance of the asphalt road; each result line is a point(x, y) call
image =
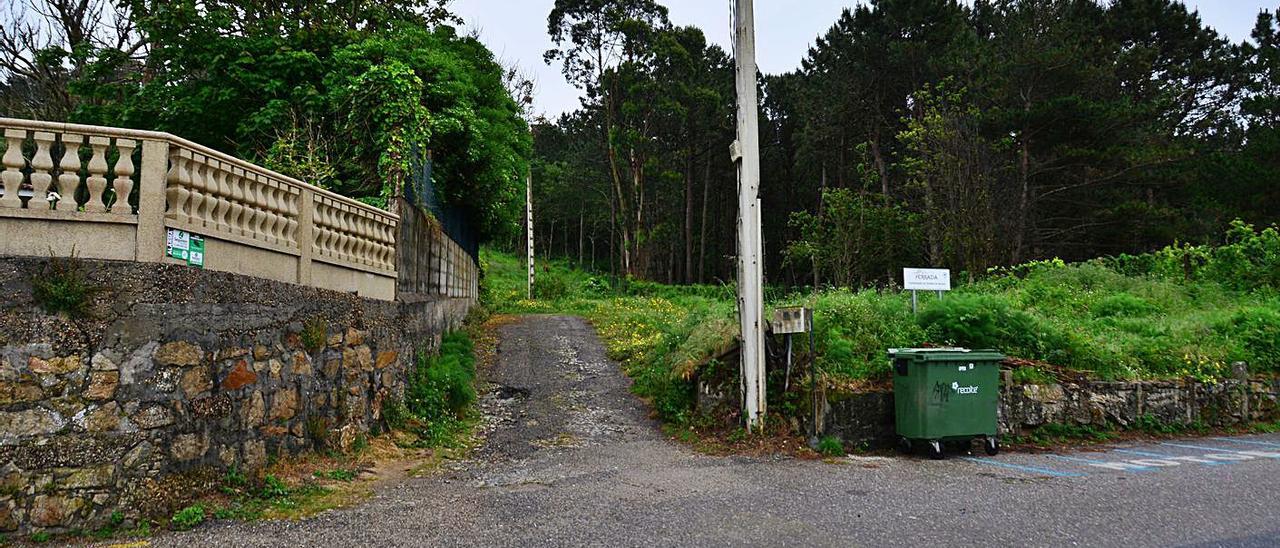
point(571, 459)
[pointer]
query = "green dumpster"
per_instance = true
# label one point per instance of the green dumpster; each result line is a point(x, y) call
point(945, 395)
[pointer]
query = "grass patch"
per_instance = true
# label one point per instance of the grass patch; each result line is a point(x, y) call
point(188, 518)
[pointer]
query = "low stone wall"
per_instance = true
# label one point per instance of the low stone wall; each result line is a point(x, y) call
point(176, 375)
point(868, 417)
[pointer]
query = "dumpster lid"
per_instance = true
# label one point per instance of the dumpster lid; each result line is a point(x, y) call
point(946, 354)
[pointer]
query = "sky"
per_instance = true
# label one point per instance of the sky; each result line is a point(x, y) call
point(516, 30)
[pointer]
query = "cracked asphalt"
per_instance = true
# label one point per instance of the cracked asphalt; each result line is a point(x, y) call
point(570, 458)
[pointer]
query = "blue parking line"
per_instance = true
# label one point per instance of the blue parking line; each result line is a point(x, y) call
point(1209, 462)
point(1044, 471)
point(1249, 442)
point(1096, 462)
point(1222, 450)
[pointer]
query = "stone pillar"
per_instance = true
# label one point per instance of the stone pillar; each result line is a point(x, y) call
point(305, 234)
point(151, 201)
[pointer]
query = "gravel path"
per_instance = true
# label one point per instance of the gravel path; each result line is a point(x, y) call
point(571, 459)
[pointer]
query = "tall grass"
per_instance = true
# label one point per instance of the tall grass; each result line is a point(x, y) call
point(1181, 312)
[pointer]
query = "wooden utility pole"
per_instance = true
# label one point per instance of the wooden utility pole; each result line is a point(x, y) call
point(746, 153)
point(528, 215)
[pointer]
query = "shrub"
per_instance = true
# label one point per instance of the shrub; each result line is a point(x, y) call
point(314, 334)
point(188, 517)
point(831, 446)
point(1257, 333)
point(978, 321)
point(61, 287)
point(550, 286)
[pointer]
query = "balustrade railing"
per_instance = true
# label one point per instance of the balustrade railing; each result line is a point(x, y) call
point(97, 181)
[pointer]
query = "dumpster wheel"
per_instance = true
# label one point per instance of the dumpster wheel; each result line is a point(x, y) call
point(992, 445)
point(905, 445)
point(935, 449)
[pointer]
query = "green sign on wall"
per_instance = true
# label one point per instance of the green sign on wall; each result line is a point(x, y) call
point(184, 246)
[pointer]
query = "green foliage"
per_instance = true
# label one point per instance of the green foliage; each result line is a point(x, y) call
point(856, 239)
point(234, 478)
point(1032, 375)
point(550, 287)
point(831, 446)
point(989, 322)
point(273, 487)
point(40, 537)
point(314, 334)
point(116, 519)
point(188, 517)
point(440, 392)
point(61, 287)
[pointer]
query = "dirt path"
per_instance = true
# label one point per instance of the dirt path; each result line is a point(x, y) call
point(571, 459)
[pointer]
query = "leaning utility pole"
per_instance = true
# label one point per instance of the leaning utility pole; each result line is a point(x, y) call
point(746, 152)
point(528, 216)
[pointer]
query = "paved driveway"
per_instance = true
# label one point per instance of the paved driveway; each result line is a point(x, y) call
point(571, 459)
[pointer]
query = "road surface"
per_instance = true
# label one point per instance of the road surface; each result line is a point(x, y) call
point(572, 459)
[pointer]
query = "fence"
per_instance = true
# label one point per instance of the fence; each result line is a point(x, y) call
point(108, 193)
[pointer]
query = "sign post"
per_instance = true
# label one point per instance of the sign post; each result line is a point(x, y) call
point(925, 279)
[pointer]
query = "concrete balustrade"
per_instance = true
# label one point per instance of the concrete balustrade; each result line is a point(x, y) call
point(109, 193)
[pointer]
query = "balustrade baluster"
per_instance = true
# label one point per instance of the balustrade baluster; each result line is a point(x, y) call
point(236, 218)
point(123, 183)
point(97, 180)
point(291, 227)
point(274, 219)
point(69, 172)
point(177, 192)
point(13, 164)
point(41, 172)
point(221, 190)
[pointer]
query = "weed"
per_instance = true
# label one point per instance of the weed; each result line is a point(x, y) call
point(235, 478)
point(116, 519)
point(273, 487)
point(1052, 433)
point(1032, 375)
point(831, 446)
point(738, 435)
point(318, 431)
point(314, 334)
point(188, 517)
point(40, 537)
point(1267, 427)
point(62, 288)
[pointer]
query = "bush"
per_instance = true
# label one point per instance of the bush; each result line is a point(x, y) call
point(61, 287)
point(1257, 333)
point(188, 517)
point(979, 321)
point(831, 446)
point(550, 286)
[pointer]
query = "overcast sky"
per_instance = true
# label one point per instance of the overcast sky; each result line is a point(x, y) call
point(516, 30)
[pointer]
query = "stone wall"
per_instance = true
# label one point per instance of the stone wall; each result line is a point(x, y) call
point(868, 417)
point(177, 374)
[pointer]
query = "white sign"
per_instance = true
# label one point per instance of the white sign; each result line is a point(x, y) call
point(926, 279)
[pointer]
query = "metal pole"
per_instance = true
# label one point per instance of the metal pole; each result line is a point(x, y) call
point(913, 302)
point(750, 245)
point(528, 214)
point(813, 385)
point(786, 380)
